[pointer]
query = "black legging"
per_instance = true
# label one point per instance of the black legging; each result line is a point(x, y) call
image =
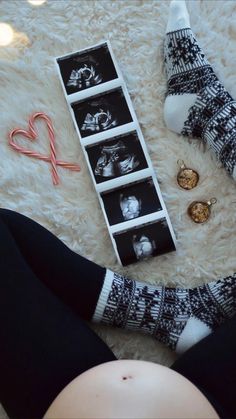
point(45, 290)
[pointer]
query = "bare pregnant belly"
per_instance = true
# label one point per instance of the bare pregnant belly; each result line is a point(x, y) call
point(130, 389)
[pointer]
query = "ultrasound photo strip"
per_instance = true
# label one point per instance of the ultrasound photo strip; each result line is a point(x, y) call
point(115, 151)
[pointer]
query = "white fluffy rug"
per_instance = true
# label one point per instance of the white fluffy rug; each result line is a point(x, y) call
point(29, 83)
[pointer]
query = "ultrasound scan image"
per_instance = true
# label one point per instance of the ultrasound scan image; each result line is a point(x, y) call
point(85, 74)
point(116, 160)
point(130, 207)
point(143, 246)
point(143, 241)
point(82, 70)
point(131, 201)
point(101, 112)
point(116, 157)
point(100, 120)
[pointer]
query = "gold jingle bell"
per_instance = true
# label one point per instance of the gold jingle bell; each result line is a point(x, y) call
point(200, 211)
point(187, 178)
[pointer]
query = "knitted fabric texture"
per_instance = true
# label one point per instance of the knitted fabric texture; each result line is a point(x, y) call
point(213, 116)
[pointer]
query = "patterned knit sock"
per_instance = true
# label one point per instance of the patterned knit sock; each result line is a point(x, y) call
point(177, 317)
point(197, 104)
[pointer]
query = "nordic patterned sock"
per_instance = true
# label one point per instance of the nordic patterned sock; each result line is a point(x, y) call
point(197, 104)
point(176, 317)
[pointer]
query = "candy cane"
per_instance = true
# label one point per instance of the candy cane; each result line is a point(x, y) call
point(32, 135)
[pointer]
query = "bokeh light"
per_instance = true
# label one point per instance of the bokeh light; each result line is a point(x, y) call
point(6, 34)
point(36, 2)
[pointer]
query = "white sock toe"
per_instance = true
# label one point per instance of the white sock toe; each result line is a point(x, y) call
point(194, 331)
point(178, 16)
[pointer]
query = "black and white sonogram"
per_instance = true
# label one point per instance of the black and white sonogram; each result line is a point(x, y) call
point(116, 157)
point(85, 69)
point(131, 201)
point(144, 241)
point(101, 112)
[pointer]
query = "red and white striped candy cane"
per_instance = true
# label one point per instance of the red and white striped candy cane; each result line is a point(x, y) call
point(32, 135)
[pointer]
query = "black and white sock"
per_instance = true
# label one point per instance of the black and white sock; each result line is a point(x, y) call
point(176, 317)
point(197, 104)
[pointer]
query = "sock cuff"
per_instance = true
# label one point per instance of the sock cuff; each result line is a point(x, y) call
point(182, 30)
point(193, 331)
point(103, 297)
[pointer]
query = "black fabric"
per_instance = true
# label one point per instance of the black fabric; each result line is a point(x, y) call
point(43, 344)
point(211, 366)
point(67, 274)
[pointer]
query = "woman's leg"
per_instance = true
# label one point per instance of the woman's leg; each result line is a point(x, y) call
point(177, 317)
point(211, 366)
point(74, 279)
point(43, 344)
point(197, 104)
